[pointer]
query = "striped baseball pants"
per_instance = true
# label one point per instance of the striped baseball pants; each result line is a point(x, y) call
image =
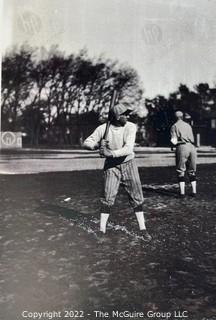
point(127, 174)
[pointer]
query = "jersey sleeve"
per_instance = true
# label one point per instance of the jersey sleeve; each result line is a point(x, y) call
point(93, 141)
point(173, 134)
point(129, 143)
point(191, 135)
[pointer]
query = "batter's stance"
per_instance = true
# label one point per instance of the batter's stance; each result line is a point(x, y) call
point(119, 165)
point(182, 137)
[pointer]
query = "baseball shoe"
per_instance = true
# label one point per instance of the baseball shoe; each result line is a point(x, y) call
point(182, 196)
point(193, 195)
point(101, 236)
point(145, 236)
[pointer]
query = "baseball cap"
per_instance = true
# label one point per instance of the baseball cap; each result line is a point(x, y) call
point(120, 108)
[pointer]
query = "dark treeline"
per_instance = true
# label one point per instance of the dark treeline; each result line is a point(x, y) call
point(198, 106)
point(50, 98)
point(57, 99)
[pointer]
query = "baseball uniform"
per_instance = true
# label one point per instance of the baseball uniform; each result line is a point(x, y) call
point(119, 166)
point(182, 137)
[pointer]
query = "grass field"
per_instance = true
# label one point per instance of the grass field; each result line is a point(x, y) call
point(26, 161)
point(51, 258)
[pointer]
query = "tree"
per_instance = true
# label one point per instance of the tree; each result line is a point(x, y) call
point(33, 122)
point(16, 84)
point(159, 119)
point(54, 88)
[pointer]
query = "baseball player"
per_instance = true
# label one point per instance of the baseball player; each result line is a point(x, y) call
point(182, 137)
point(119, 165)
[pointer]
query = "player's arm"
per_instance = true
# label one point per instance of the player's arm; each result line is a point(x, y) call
point(93, 141)
point(129, 143)
point(191, 137)
point(173, 134)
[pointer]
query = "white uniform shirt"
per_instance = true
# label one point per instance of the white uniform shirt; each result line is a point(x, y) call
point(121, 140)
point(181, 132)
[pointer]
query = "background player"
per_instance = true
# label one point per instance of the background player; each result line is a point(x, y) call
point(120, 166)
point(182, 137)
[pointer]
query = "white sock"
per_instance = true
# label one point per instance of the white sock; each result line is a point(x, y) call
point(193, 184)
point(141, 220)
point(103, 221)
point(182, 187)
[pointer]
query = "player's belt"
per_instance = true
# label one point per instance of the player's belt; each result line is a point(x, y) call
point(183, 143)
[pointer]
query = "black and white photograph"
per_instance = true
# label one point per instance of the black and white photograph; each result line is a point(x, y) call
point(108, 159)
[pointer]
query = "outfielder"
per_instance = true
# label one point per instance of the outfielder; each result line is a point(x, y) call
point(119, 165)
point(182, 137)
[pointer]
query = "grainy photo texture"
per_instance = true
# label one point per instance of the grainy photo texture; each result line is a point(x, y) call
point(108, 159)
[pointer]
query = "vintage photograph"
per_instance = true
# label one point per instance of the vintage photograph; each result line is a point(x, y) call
point(108, 159)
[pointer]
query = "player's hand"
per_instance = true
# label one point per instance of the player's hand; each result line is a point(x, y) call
point(102, 146)
point(105, 152)
point(103, 143)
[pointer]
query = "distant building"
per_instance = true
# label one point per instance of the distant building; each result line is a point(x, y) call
point(211, 128)
point(206, 132)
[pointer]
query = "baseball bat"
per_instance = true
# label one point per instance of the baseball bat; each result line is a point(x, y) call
point(112, 102)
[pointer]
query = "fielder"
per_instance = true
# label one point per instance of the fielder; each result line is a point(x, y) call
point(119, 165)
point(182, 137)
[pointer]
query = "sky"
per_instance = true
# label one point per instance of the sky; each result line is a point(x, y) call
point(168, 42)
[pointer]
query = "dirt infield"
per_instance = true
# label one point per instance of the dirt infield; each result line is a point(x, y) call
point(52, 258)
